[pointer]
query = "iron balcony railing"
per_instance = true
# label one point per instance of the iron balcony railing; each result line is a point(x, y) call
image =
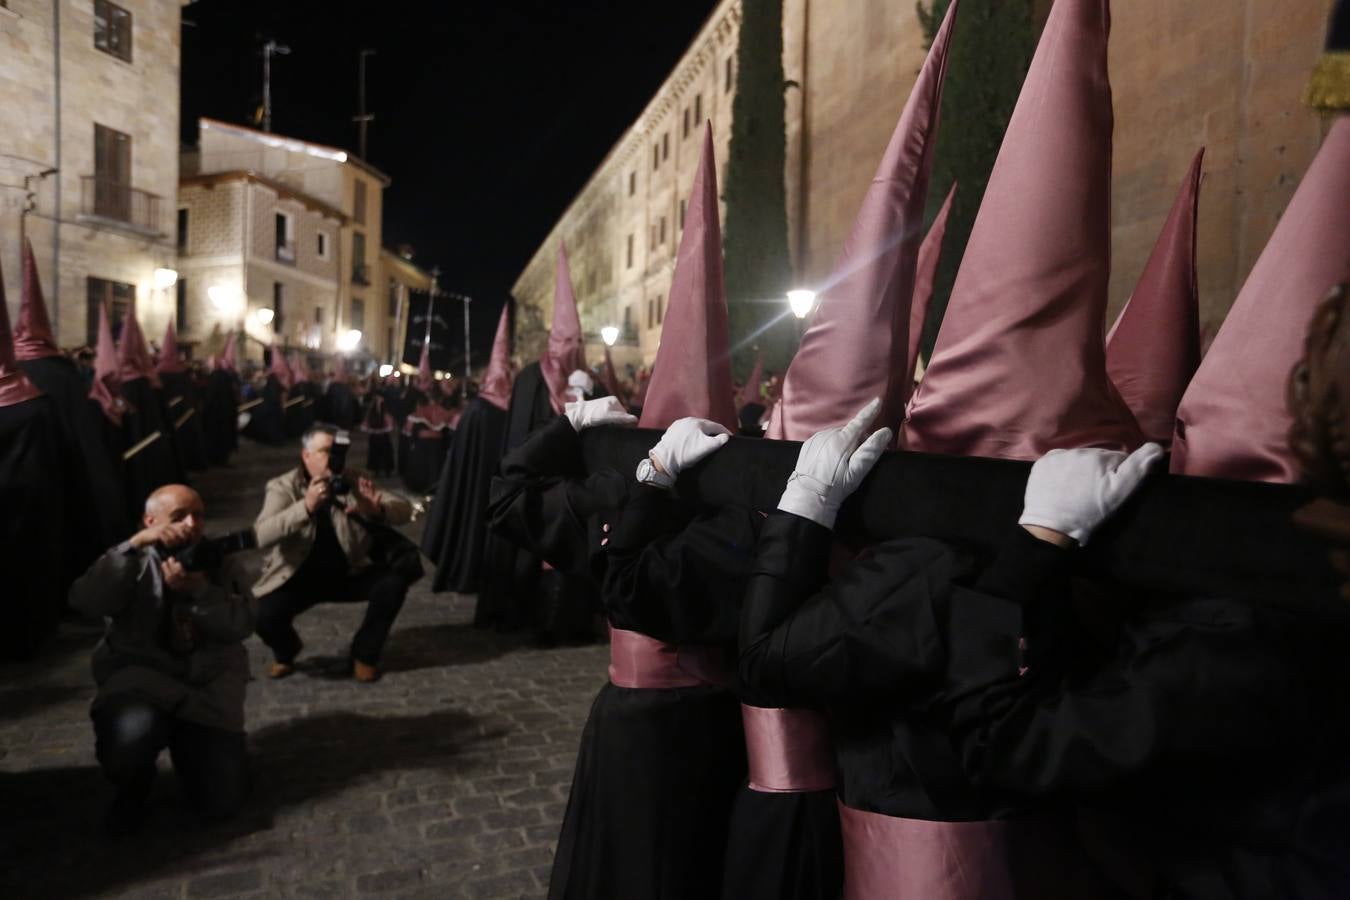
point(117, 201)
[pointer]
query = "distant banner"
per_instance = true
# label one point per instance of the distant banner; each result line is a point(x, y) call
point(442, 330)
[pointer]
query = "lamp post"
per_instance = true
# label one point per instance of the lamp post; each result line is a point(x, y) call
point(801, 301)
point(609, 334)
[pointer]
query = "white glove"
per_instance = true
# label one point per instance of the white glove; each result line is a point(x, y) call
point(585, 414)
point(832, 465)
point(685, 443)
point(579, 384)
point(1074, 491)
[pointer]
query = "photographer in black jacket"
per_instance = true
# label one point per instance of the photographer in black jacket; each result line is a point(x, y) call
point(171, 668)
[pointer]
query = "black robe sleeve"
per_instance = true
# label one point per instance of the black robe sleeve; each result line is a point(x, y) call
point(899, 623)
point(667, 570)
point(543, 498)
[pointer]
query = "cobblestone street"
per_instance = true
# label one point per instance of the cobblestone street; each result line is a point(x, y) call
point(447, 778)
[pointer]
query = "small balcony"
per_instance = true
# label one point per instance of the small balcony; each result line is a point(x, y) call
point(286, 252)
point(116, 204)
point(361, 275)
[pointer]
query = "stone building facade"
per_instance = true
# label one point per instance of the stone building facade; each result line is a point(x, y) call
point(89, 155)
point(1183, 75)
point(257, 255)
point(324, 190)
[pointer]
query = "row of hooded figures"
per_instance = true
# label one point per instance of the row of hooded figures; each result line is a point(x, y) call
point(1064, 620)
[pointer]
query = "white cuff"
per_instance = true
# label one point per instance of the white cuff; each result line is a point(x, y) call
point(649, 474)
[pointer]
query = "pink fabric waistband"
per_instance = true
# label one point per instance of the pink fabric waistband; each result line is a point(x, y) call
point(788, 750)
point(914, 859)
point(638, 661)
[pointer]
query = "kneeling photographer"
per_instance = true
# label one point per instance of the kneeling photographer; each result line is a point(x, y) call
point(326, 533)
point(171, 668)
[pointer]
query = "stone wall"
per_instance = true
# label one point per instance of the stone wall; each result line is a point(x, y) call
point(138, 98)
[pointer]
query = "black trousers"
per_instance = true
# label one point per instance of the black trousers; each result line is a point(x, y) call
point(380, 589)
point(211, 763)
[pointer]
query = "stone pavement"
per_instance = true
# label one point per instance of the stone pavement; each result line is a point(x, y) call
point(447, 778)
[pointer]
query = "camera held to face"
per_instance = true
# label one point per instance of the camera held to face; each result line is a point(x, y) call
point(338, 483)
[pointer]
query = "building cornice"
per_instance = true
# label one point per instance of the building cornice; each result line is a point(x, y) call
point(295, 145)
point(282, 190)
point(720, 29)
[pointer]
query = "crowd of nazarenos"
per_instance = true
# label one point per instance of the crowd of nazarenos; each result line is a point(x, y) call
point(791, 714)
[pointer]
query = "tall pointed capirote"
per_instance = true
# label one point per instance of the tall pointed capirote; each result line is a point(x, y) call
point(132, 353)
point(1233, 421)
point(1154, 348)
point(858, 341)
point(33, 338)
point(496, 386)
point(106, 389)
point(692, 372)
point(169, 361)
point(280, 368)
point(14, 384)
point(1019, 366)
point(566, 351)
point(925, 280)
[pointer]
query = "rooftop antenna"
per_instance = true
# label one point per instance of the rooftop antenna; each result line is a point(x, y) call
point(270, 49)
point(363, 118)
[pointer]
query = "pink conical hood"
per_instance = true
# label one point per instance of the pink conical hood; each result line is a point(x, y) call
point(856, 345)
point(1233, 422)
point(168, 354)
point(1019, 367)
point(925, 278)
point(14, 384)
point(750, 391)
point(132, 354)
point(496, 386)
point(692, 372)
point(1154, 348)
point(33, 333)
point(280, 368)
point(566, 352)
point(227, 360)
point(425, 378)
point(107, 387)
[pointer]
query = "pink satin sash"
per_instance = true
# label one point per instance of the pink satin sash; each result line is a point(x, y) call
point(788, 750)
point(914, 859)
point(638, 661)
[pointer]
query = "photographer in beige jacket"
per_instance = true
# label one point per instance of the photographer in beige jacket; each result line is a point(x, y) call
point(314, 528)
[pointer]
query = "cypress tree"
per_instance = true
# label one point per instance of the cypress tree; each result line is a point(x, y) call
point(990, 54)
point(755, 238)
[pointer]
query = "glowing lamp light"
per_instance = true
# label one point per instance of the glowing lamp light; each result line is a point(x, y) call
point(165, 278)
point(386, 370)
point(265, 316)
point(224, 299)
point(610, 334)
point(801, 300)
point(348, 341)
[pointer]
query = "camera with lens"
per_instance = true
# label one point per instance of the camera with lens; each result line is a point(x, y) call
point(339, 484)
point(209, 554)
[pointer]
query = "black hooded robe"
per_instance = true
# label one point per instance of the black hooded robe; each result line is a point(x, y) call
point(150, 441)
point(90, 468)
point(33, 553)
point(220, 416)
point(513, 593)
point(456, 528)
point(185, 414)
point(658, 768)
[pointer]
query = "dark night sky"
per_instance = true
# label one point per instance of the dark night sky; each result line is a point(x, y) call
point(490, 116)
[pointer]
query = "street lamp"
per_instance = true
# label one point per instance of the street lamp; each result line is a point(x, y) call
point(801, 300)
point(386, 370)
point(609, 334)
point(348, 341)
point(165, 278)
point(265, 316)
